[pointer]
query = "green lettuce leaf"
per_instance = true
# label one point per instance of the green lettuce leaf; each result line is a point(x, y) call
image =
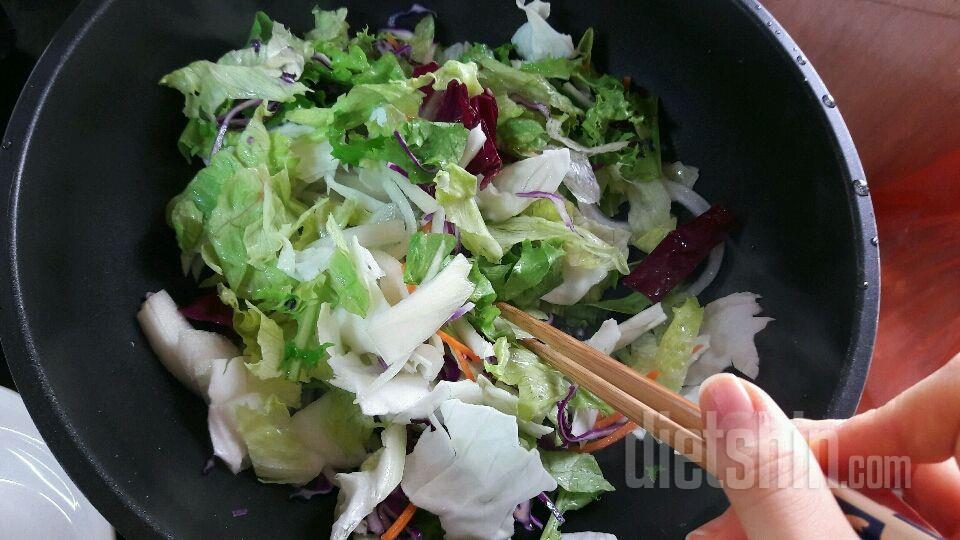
point(466, 73)
point(506, 80)
point(649, 216)
point(422, 40)
point(351, 289)
point(552, 68)
point(329, 26)
point(575, 472)
point(522, 136)
point(265, 347)
point(262, 28)
point(672, 355)
point(197, 138)
point(540, 386)
point(425, 254)
point(456, 189)
point(583, 248)
point(277, 454)
point(526, 272)
point(565, 501)
point(334, 426)
point(355, 107)
point(207, 86)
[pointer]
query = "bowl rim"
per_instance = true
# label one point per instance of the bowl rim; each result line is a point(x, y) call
point(62, 435)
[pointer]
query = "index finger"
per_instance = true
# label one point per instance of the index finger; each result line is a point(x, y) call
point(923, 423)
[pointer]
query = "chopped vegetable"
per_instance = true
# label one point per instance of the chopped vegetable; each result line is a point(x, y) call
point(679, 253)
point(366, 197)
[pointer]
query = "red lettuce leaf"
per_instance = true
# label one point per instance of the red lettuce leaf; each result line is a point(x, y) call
point(209, 308)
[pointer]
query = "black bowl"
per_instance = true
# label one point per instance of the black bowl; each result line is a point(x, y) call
point(90, 161)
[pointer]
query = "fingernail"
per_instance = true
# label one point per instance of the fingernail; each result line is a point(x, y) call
point(726, 396)
point(696, 534)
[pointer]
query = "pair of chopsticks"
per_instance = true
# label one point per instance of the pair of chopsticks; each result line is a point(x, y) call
point(667, 416)
point(673, 419)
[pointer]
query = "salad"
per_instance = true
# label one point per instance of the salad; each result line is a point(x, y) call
point(365, 199)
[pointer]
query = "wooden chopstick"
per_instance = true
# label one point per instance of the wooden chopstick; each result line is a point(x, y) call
point(667, 416)
point(681, 411)
point(660, 426)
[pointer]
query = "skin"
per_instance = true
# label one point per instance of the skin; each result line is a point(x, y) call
point(922, 423)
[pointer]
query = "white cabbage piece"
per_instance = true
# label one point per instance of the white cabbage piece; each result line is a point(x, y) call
point(392, 396)
point(536, 39)
point(589, 535)
point(391, 284)
point(475, 140)
point(228, 444)
point(555, 131)
point(231, 385)
point(499, 472)
point(308, 263)
point(417, 196)
point(453, 52)
point(479, 392)
point(395, 332)
point(612, 336)
point(362, 491)
point(682, 174)
point(577, 281)
point(539, 173)
point(185, 352)
point(471, 338)
point(732, 323)
point(581, 180)
point(427, 360)
point(197, 350)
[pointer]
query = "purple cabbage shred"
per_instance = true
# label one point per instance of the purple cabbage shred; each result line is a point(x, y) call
point(524, 516)
point(461, 311)
point(545, 499)
point(319, 486)
point(451, 370)
point(397, 168)
point(565, 428)
point(227, 118)
point(323, 59)
point(239, 512)
point(413, 13)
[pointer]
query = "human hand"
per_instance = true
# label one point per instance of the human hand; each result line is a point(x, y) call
point(767, 469)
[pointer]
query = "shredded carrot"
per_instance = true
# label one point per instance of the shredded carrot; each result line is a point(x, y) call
point(462, 362)
point(454, 343)
point(411, 287)
point(400, 523)
point(600, 444)
point(613, 418)
point(608, 420)
point(696, 348)
point(393, 42)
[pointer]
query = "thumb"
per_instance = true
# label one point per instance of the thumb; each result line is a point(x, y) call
point(767, 471)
